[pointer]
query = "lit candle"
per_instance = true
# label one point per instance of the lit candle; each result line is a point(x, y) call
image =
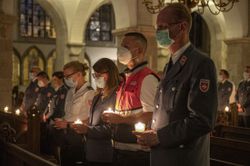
point(17, 112)
point(109, 110)
point(6, 109)
point(226, 109)
point(78, 121)
point(140, 127)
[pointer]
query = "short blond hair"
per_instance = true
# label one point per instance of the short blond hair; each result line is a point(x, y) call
point(77, 66)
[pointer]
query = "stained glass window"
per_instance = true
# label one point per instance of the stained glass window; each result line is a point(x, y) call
point(101, 24)
point(34, 22)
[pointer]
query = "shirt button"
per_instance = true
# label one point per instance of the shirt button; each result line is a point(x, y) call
point(173, 89)
point(153, 121)
point(157, 106)
point(181, 146)
point(160, 90)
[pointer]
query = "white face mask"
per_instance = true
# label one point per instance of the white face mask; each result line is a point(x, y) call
point(70, 83)
point(246, 75)
point(124, 55)
point(41, 84)
point(100, 82)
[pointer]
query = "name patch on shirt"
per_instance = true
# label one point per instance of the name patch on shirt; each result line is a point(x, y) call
point(204, 85)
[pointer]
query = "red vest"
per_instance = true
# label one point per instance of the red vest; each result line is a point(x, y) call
point(129, 91)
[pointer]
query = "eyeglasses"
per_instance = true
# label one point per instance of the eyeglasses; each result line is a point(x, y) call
point(167, 26)
point(97, 75)
point(68, 76)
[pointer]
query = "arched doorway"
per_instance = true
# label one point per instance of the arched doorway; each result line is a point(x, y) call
point(199, 34)
point(16, 68)
point(51, 63)
point(32, 57)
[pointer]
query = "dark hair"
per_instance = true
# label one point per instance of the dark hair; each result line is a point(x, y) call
point(58, 74)
point(106, 65)
point(139, 37)
point(225, 72)
point(43, 74)
point(179, 13)
point(77, 67)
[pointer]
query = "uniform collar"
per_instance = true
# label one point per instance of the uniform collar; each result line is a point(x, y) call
point(128, 71)
point(84, 86)
point(179, 52)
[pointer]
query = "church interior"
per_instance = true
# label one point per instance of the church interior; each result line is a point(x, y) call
point(51, 33)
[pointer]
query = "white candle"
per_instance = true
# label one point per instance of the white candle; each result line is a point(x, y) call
point(140, 127)
point(17, 112)
point(6, 109)
point(109, 110)
point(226, 109)
point(78, 121)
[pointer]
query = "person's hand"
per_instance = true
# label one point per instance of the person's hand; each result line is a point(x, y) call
point(147, 138)
point(79, 128)
point(240, 109)
point(113, 118)
point(60, 123)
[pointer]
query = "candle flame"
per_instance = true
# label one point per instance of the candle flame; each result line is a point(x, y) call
point(227, 109)
point(17, 112)
point(78, 121)
point(140, 127)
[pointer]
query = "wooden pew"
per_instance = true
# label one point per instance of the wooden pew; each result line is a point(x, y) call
point(229, 150)
point(237, 133)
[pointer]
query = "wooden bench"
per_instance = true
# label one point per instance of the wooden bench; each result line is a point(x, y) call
point(230, 150)
point(237, 133)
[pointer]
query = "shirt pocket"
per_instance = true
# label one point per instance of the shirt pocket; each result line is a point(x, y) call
point(170, 96)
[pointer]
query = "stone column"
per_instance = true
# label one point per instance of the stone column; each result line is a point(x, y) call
point(6, 22)
point(237, 57)
point(149, 33)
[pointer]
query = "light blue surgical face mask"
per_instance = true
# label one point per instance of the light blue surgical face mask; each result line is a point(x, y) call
point(163, 38)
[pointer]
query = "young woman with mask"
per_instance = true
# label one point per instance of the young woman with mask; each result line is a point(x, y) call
point(99, 150)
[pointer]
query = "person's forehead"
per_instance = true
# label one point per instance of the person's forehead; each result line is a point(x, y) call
point(128, 41)
point(165, 17)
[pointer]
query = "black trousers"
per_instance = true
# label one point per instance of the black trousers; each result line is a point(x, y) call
point(99, 164)
point(131, 158)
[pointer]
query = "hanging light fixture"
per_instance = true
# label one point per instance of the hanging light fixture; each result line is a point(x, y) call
point(214, 6)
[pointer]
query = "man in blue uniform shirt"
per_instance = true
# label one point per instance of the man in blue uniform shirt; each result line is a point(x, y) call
point(186, 100)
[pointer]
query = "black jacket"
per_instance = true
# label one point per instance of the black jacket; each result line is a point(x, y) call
point(186, 106)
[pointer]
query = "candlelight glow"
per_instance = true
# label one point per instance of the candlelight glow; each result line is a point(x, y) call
point(109, 110)
point(78, 121)
point(6, 109)
point(226, 109)
point(140, 127)
point(17, 112)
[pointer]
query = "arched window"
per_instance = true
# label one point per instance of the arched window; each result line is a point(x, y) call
point(51, 63)
point(101, 24)
point(32, 57)
point(199, 34)
point(34, 22)
point(16, 66)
